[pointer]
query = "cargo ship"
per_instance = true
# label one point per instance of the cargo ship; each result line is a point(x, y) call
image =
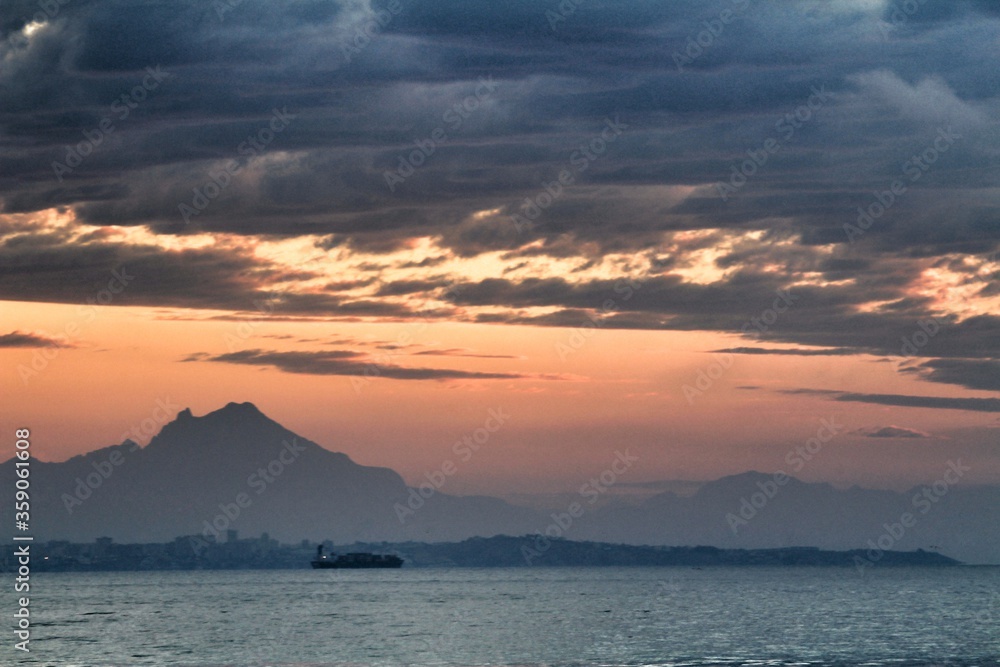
point(353, 560)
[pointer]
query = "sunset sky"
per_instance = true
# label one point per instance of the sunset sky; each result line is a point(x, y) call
point(691, 229)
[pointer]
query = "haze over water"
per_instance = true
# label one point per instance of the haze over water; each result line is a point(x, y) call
point(538, 616)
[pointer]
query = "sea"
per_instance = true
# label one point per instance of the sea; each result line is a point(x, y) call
point(551, 616)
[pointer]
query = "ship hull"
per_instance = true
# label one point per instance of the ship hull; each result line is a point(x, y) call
point(334, 565)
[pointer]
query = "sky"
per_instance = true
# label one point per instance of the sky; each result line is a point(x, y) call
point(702, 231)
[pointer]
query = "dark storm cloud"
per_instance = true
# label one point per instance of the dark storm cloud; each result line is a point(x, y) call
point(936, 11)
point(24, 339)
point(974, 404)
point(820, 317)
point(805, 352)
point(893, 432)
point(401, 287)
point(936, 402)
point(46, 269)
point(849, 96)
point(556, 84)
point(457, 352)
point(347, 362)
point(969, 373)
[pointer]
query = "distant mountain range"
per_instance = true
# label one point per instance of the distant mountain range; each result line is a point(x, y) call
point(237, 469)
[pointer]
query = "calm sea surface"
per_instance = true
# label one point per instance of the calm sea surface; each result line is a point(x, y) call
point(558, 616)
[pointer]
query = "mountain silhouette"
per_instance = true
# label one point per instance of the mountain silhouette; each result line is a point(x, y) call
point(237, 469)
point(738, 512)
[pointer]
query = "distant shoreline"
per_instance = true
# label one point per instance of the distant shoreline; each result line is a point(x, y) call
point(195, 553)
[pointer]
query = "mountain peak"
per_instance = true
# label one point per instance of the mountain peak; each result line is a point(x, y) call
point(238, 409)
point(231, 412)
point(233, 423)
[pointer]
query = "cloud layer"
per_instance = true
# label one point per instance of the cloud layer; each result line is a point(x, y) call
point(644, 164)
